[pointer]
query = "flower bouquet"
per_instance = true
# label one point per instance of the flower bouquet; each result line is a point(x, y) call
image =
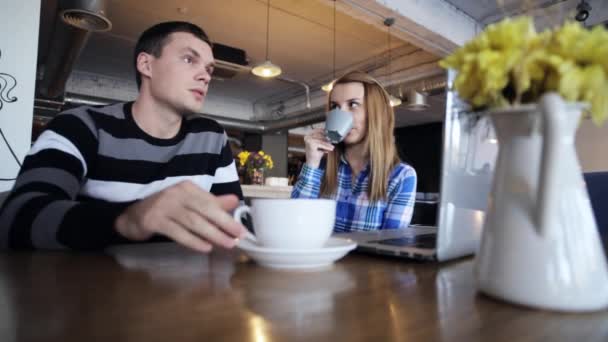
point(255, 164)
point(510, 64)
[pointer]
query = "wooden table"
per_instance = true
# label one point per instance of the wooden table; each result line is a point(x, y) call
point(160, 292)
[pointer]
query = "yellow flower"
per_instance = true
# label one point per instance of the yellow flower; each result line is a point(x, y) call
point(594, 87)
point(268, 161)
point(485, 64)
point(567, 41)
point(510, 34)
point(243, 156)
point(595, 47)
point(529, 69)
point(599, 106)
point(570, 83)
point(509, 63)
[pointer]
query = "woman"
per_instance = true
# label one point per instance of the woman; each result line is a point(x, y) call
point(373, 189)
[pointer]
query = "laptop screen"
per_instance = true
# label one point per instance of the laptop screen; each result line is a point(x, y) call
point(468, 161)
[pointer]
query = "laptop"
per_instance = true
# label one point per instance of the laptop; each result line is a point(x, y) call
point(468, 158)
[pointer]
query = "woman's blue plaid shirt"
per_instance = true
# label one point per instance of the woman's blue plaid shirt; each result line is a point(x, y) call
point(354, 210)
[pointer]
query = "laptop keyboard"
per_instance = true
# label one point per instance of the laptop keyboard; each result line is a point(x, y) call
point(419, 241)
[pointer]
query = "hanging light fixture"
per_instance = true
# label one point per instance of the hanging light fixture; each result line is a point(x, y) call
point(267, 69)
point(329, 86)
point(416, 101)
point(394, 101)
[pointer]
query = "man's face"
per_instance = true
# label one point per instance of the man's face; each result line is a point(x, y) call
point(179, 78)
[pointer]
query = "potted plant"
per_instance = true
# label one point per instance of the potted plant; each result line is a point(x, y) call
point(510, 64)
point(540, 245)
point(255, 165)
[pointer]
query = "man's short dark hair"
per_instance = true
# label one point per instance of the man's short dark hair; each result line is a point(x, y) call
point(155, 38)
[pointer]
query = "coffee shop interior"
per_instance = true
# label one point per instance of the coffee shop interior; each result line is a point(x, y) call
point(308, 40)
point(83, 56)
point(312, 42)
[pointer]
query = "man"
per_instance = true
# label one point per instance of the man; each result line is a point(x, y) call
point(133, 171)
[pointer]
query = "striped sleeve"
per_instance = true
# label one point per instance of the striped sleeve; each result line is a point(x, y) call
point(401, 198)
point(42, 210)
point(226, 178)
point(308, 184)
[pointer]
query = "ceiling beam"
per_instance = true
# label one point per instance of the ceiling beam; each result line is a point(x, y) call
point(433, 25)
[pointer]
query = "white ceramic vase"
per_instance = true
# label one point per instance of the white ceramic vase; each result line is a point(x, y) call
point(540, 244)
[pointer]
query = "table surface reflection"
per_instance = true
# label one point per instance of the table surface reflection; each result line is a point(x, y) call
point(161, 292)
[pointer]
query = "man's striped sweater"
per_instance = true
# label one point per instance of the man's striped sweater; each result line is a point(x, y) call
point(91, 163)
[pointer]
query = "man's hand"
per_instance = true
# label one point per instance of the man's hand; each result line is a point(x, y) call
point(186, 214)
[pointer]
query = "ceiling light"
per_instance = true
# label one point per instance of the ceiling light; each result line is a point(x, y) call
point(416, 101)
point(267, 69)
point(329, 86)
point(395, 101)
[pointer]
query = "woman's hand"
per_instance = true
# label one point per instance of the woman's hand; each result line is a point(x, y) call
point(316, 146)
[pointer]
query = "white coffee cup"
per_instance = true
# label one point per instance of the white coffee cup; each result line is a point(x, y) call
point(290, 223)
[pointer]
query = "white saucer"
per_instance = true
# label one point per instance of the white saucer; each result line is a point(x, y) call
point(334, 249)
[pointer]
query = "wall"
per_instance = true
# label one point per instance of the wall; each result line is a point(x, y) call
point(592, 145)
point(18, 54)
point(276, 145)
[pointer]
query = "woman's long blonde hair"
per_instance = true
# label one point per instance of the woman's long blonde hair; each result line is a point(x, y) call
point(379, 141)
